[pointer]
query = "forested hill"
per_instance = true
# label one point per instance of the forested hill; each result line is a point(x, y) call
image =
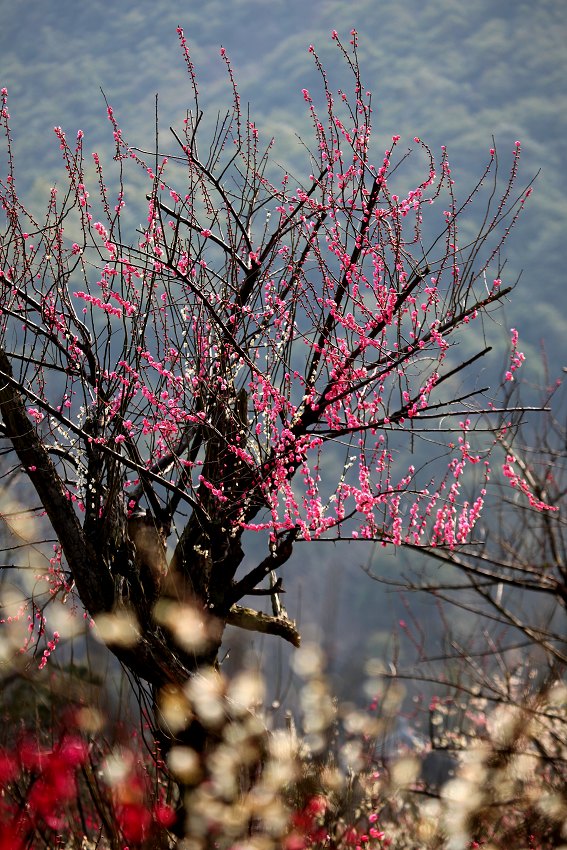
point(453, 72)
point(450, 71)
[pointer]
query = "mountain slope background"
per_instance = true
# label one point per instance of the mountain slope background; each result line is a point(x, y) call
point(454, 72)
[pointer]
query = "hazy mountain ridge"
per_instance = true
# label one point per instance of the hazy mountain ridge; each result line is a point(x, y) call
point(454, 73)
point(450, 71)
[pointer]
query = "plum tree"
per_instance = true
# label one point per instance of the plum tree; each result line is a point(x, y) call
point(259, 357)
